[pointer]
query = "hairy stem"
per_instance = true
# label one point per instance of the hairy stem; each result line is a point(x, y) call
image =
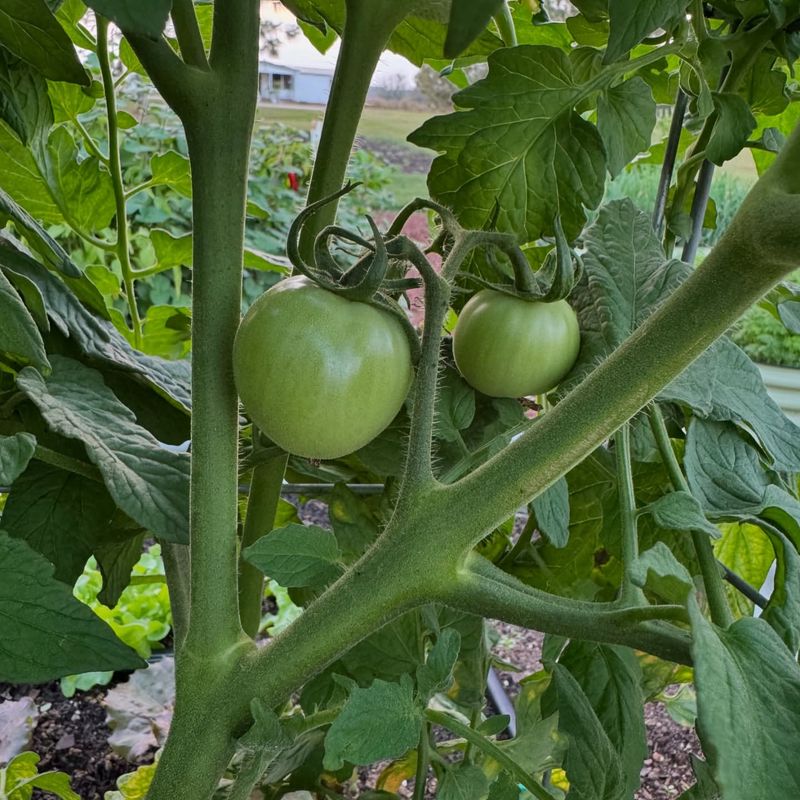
point(423, 762)
point(188, 34)
point(709, 568)
point(472, 737)
point(367, 29)
point(629, 592)
point(698, 312)
point(218, 135)
point(486, 590)
point(265, 491)
point(115, 168)
point(177, 570)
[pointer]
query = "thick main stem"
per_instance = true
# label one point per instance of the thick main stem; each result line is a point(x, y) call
point(219, 181)
point(367, 29)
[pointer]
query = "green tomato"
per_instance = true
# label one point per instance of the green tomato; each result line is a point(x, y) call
point(319, 374)
point(508, 347)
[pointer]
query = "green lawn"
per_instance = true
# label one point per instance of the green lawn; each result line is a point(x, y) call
point(387, 124)
point(406, 186)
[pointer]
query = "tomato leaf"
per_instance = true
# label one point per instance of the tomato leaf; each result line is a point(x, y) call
point(148, 482)
point(659, 571)
point(626, 275)
point(59, 514)
point(140, 17)
point(297, 556)
point(551, 509)
point(418, 37)
point(467, 19)
point(747, 680)
point(519, 153)
point(19, 337)
point(463, 782)
point(735, 123)
point(15, 453)
point(724, 385)
point(47, 633)
point(382, 721)
point(633, 20)
point(610, 678)
point(592, 764)
point(436, 674)
point(705, 788)
point(626, 116)
point(681, 511)
point(97, 339)
point(29, 29)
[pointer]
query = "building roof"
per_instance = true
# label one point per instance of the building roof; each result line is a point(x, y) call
point(272, 66)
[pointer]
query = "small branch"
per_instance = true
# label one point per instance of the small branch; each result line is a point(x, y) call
point(181, 86)
point(115, 167)
point(265, 491)
point(67, 463)
point(367, 29)
point(423, 761)
point(490, 749)
point(91, 145)
point(486, 590)
point(505, 25)
point(419, 465)
point(176, 568)
point(629, 592)
point(709, 568)
point(188, 34)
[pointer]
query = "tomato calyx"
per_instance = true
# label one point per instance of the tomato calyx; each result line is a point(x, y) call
point(560, 270)
point(368, 280)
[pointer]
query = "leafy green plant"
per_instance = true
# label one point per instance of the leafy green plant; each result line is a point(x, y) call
point(660, 433)
point(21, 776)
point(766, 339)
point(141, 617)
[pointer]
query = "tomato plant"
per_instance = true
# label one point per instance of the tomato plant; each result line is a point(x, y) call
point(325, 390)
point(509, 347)
point(658, 483)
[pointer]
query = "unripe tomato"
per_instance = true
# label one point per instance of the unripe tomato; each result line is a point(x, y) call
point(319, 374)
point(508, 347)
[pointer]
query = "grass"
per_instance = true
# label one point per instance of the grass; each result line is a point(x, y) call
point(406, 186)
point(386, 124)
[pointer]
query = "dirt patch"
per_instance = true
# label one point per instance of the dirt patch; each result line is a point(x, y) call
point(405, 157)
point(72, 736)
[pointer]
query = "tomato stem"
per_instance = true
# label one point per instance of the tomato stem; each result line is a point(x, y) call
point(265, 491)
point(115, 168)
point(709, 567)
point(368, 26)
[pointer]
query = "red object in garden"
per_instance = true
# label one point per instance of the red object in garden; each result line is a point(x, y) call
point(294, 183)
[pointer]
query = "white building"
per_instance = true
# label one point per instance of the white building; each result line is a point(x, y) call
point(280, 83)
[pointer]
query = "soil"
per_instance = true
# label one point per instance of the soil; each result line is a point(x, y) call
point(405, 157)
point(72, 736)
